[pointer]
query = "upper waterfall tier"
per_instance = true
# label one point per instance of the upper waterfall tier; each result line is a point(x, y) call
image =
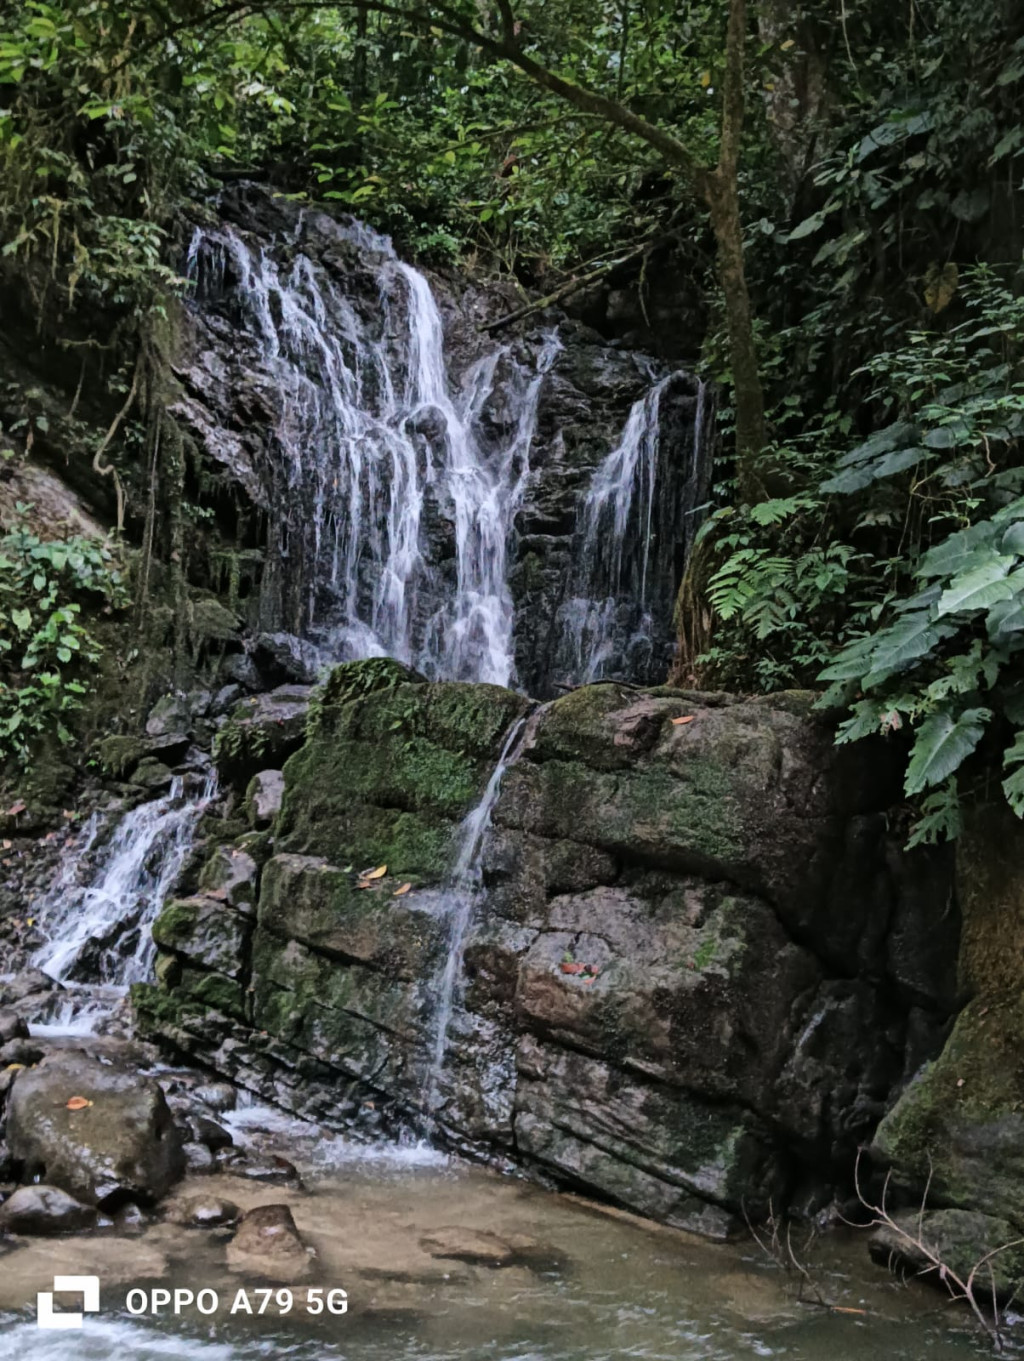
point(514, 513)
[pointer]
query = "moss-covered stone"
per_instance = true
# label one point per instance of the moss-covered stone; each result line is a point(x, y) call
point(959, 1126)
point(304, 899)
point(204, 931)
point(119, 754)
point(261, 733)
point(387, 777)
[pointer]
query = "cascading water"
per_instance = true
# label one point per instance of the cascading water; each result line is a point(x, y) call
point(101, 928)
point(460, 898)
point(609, 617)
point(370, 446)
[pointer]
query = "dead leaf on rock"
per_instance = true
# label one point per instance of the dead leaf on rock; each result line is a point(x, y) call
point(678, 722)
point(401, 891)
point(78, 1103)
point(378, 873)
point(16, 808)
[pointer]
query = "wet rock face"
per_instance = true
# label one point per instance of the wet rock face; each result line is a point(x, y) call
point(686, 986)
point(98, 1132)
point(233, 411)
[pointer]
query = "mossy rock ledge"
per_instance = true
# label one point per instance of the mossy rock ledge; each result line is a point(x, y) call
point(692, 981)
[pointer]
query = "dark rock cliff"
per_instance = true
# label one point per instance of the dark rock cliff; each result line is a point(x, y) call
point(697, 973)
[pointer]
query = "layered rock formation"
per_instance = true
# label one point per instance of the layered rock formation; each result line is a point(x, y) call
point(697, 972)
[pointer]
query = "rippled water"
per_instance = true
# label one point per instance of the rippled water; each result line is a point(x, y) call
point(600, 1286)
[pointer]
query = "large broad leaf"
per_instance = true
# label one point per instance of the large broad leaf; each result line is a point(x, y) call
point(959, 551)
point(861, 475)
point(978, 588)
point(910, 638)
point(1004, 619)
point(942, 745)
point(881, 442)
point(1013, 540)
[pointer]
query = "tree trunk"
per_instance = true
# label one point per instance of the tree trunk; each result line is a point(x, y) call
point(748, 395)
point(721, 193)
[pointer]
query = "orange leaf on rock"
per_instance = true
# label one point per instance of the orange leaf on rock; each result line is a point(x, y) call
point(401, 891)
point(78, 1103)
point(678, 722)
point(378, 873)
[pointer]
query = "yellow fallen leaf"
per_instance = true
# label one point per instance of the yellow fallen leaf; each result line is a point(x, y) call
point(705, 79)
point(378, 873)
point(13, 1067)
point(30, 921)
point(790, 42)
point(401, 892)
point(78, 1103)
point(688, 719)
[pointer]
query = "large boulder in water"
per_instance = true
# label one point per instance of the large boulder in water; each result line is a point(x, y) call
point(120, 1145)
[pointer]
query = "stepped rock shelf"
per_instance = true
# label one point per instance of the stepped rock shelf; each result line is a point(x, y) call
point(697, 970)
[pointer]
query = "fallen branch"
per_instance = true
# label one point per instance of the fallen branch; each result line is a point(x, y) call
point(959, 1286)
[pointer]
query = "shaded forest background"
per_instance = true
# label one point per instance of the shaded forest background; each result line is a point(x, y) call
point(816, 205)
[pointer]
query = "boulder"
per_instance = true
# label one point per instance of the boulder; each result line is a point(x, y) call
point(204, 931)
point(231, 874)
point(262, 732)
point(284, 658)
point(962, 1241)
point(218, 1096)
point(169, 716)
point(122, 1145)
point(12, 1027)
point(43, 1210)
point(199, 1161)
point(690, 978)
point(268, 1244)
point(263, 797)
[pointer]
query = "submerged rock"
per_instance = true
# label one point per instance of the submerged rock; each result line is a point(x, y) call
point(204, 1212)
point(268, 1244)
point(480, 1247)
point(43, 1210)
point(121, 1144)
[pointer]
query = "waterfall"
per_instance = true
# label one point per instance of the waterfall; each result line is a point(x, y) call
point(460, 897)
point(101, 928)
point(372, 445)
point(608, 622)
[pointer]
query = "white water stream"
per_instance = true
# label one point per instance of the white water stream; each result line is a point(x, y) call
point(609, 613)
point(371, 439)
point(110, 915)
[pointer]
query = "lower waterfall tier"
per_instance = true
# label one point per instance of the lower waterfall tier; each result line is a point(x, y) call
point(698, 967)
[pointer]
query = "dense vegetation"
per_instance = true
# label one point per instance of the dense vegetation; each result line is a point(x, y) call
point(839, 181)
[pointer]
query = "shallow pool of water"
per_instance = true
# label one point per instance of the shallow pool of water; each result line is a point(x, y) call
point(596, 1285)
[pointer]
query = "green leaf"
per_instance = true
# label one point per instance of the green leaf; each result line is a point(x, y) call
point(978, 588)
point(942, 745)
point(21, 619)
point(941, 817)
